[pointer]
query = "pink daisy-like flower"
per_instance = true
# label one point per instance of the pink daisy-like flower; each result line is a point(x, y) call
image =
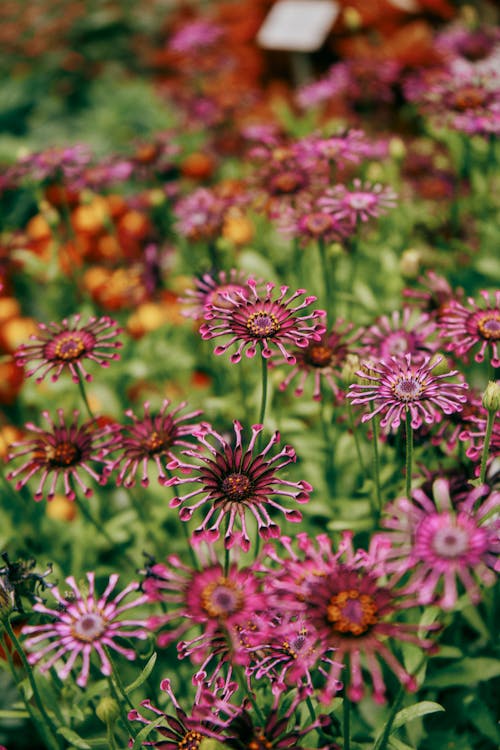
point(362, 202)
point(195, 35)
point(321, 359)
point(83, 624)
point(213, 289)
point(404, 332)
point(434, 294)
point(152, 438)
point(63, 452)
point(474, 432)
point(476, 326)
point(438, 541)
point(341, 595)
point(233, 481)
point(398, 386)
point(66, 345)
point(309, 221)
point(257, 320)
point(201, 214)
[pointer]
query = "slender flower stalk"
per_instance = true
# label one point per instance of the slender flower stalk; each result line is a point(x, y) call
point(409, 453)
point(490, 419)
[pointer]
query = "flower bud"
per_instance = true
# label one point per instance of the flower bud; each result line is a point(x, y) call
point(491, 396)
point(107, 710)
point(397, 148)
point(409, 263)
point(350, 367)
point(439, 364)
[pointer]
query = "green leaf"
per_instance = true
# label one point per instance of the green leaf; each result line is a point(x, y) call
point(143, 675)
point(395, 744)
point(145, 732)
point(467, 672)
point(414, 712)
point(14, 714)
point(74, 738)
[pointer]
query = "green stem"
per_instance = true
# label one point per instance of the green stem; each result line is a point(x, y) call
point(376, 468)
point(383, 739)
point(263, 401)
point(486, 446)
point(356, 438)
point(409, 453)
point(110, 736)
point(326, 276)
point(83, 393)
point(101, 530)
point(346, 722)
point(49, 729)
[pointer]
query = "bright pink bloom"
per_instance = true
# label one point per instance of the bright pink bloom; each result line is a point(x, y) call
point(476, 326)
point(64, 451)
point(362, 202)
point(402, 333)
point(152, 438)
point(441, 540)
point(233, 481)
point(214, 289)
point(259, 321)
point(64, 347)
point(398, 386)
point(82, 624)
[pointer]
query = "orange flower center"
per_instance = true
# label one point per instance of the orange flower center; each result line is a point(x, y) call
point(263, 324)
point(352, 613)
point(191, 741)
point(259, 743)
point(70, 346)
point(319, 355)
point(489, 326)
point(221, 598)
point(157, 442)
point(62, 454)
point(469, 98)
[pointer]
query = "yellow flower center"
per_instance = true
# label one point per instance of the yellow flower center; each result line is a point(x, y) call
point(352, 613)
point(489, 326)
point(263, 324)
point(69, 346)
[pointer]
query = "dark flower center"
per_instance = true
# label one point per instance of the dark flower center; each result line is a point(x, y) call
point(69, 346)
point(221, 598)
point(295, 645)
point(287, 182)
point(157, 442)
point(62, 454)
point(263, 324)
point(259, 743)
point(89, 627)
point(407, 389)
point(236, 487)
point(317, 224)
point(319, 355)
point(352, 613)
point(489, 326)
point(469, 98)
point(190, 741)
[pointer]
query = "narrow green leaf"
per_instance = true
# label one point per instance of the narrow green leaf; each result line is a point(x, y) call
point(413, 712)
point(145, 732)
point(74, 738)
point(144, 674)
point(14, 714)
point(466, 672)
point(395, 744)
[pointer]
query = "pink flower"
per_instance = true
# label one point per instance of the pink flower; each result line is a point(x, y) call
point(195, 35)
point(402, 333)
point(398, 386)
point(233, 481)
point(152, 439)
point(65, 346)
point(440, 540)
point(476, 326)
point(83, 624)
point(63, 452)
point(214, 289)
point(257, 320)
point(362, 202)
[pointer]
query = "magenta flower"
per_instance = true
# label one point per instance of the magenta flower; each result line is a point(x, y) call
point(82, 624)
point(322, 360)
point(474, 432)
point(214, 289)
point(201, 214)
point(342, 596)
point(362, 202)
point(476, 326)
point(403, 332)
point(65, 346)
point(195, 35)
point(309, 221)
point(398, 386)
point(256, 320)
point(439, 541)
point(152, 439)
point(63, 452)
point(233, 481)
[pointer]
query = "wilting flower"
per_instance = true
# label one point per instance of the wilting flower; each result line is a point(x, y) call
point(401, 333)
point(321, 359)
point(63, 451)
point(65, 346)
point(352, 611)
point(152, 438)
point(256, 320)
point(211, 288)
point(362, 202)
point(476, 326)
point(233, 481)
point(441, 540)
point(398, 386)
point(82, 624)
point(19, 580)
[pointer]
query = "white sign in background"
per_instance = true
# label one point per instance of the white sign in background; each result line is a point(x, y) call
point(298, 25)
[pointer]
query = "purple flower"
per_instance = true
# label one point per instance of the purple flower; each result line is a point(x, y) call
point(213, 289)
point(82, 624)
point(403, 332)
point(362, 202)
point(63, 452)
point(233, 481)
point(476, 326)
point(64, 346)
point(195, 35)
point(398, 386)
point(256, 320)
point(152, 439)
point(439, 540)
